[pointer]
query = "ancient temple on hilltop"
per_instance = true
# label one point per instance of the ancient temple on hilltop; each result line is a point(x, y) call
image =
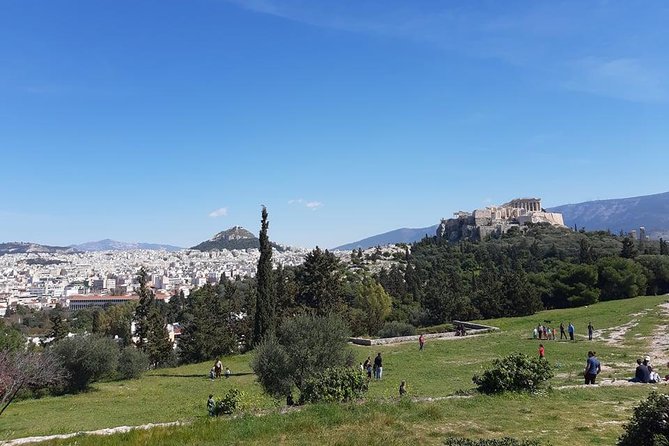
point(496, 220)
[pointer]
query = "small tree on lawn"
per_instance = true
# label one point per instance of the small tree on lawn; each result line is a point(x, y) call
point(305, 346)
point(27, 370)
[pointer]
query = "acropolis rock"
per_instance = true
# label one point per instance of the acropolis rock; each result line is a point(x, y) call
point(496, 220)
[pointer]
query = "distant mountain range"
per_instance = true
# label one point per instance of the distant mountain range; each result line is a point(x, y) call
point(626, 214)
point(23, 248)
point(113, 245)
point(404, 235)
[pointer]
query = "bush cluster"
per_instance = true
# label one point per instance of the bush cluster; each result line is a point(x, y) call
point(91, 358)
point(516, 372)
point(649, 424)
point(337, 384)
point(229, 403)
point(132, 362)
point(395, 328)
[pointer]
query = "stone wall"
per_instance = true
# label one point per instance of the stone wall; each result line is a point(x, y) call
point(471, 327)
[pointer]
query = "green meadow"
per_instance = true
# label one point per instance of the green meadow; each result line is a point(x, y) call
point(443, 401)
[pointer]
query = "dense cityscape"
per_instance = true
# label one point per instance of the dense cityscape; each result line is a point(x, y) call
point(39, 280)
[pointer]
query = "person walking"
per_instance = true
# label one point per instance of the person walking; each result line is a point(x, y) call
point(592, 368)
point(562, 333)
point(421, 342)
point(368, 367)
point(218, 367)
point(541, 351)
point(570, 329)
point(590, 330)
point(403, 388)
point(378, 366)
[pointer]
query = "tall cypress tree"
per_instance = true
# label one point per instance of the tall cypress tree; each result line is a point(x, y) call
point(146, 301)
point(264, 321)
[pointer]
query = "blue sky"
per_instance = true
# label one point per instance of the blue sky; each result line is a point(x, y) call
point(170, 120)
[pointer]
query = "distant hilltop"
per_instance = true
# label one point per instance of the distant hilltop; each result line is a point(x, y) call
point(496, 220)
point(28, 248)
point(233, 238)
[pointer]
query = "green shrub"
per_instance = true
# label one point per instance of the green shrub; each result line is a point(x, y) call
point(336, 384)
point(132, 363)
point(649, 425)
point(230, 402)
point(272, 366)
point(516, 372)
point(394, 329)
point(305, 345)
point(506, 441)
point(86, 359)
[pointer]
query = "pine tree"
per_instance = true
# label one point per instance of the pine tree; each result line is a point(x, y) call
point(664, 247)
point(629, 250)
point(264, 321)
point(585, 251)
point(96, 324)
point(59, 326)
point(158, 345)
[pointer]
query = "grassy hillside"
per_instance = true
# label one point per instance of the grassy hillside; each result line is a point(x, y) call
point(443, 369)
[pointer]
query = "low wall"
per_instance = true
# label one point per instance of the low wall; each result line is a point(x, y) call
point(472, 328)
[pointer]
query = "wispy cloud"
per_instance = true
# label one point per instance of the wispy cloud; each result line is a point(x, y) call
point(563, 44)
point(309, 204)
point(313, 205)
point(624, 78)
point(220, 212)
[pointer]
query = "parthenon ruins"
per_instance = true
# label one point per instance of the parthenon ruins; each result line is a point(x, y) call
point(496, 220)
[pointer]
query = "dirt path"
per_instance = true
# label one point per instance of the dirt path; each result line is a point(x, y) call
point(659, 345)
point(615, 336)
point(107, 431)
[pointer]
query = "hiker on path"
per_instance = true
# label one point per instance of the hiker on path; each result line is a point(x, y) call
point(590, 330)
point(562, 333)
point(592, 368)
point(541, 351)
point(570, 329)
point(421, 342)
point(378, 366)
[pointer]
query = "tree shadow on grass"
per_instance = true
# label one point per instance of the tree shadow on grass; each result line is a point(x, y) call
point(200, 375)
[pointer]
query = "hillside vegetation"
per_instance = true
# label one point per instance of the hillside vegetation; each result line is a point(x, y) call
point(443, 370)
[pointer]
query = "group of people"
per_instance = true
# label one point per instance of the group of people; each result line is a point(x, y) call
point(217, 370)
point(644, 372)
point(373, 367)
point(550, 334)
